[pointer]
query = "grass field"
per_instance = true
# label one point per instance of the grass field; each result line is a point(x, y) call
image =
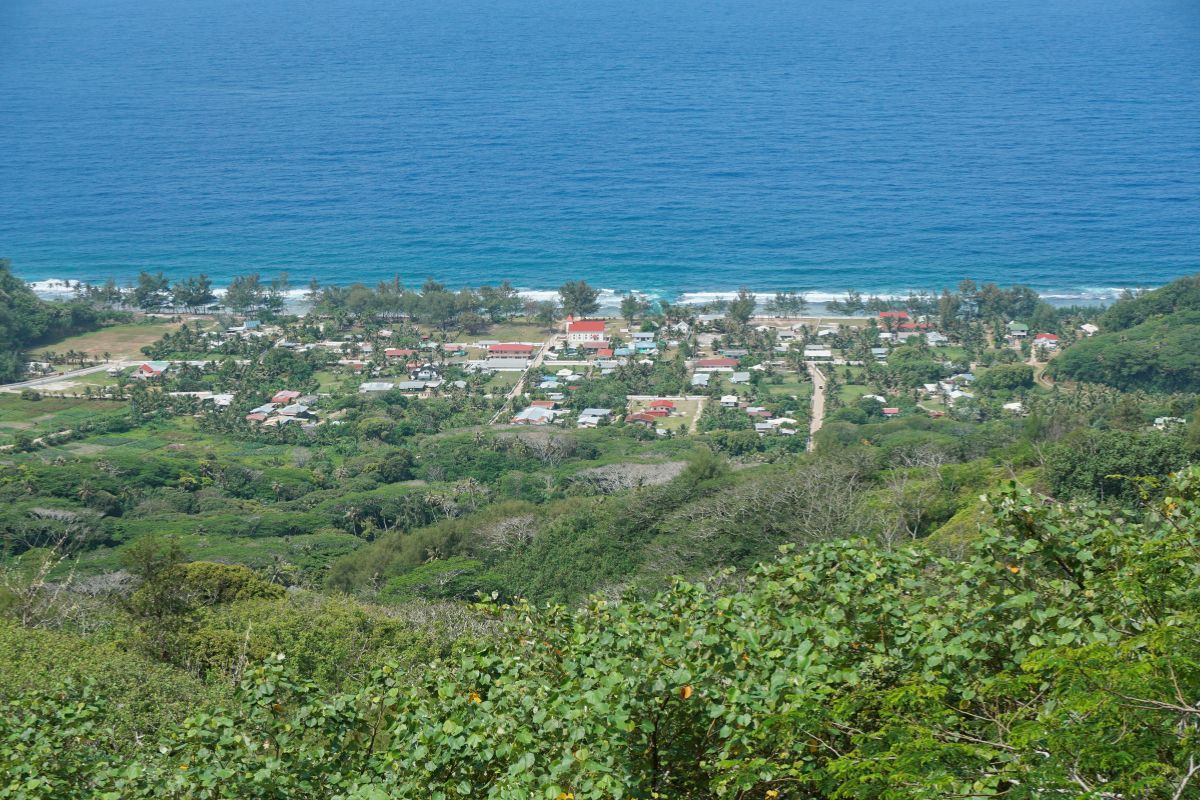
point(501, 382)
point(791, 387)
point(48, 415)
point(119, 341)
point(506, 332)
point(850, 393)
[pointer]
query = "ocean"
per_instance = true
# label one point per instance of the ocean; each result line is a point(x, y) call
point(679, 147)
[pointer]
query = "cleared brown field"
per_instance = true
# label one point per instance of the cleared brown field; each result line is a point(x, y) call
point(119, 341)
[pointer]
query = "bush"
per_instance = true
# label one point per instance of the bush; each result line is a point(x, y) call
point(846, 671)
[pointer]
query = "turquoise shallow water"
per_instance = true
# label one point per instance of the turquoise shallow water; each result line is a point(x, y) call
point(684, 147)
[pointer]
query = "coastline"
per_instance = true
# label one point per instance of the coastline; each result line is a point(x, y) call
point(59, 289)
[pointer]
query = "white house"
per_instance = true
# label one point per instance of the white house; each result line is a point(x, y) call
point(585, 330)
point(591, 417)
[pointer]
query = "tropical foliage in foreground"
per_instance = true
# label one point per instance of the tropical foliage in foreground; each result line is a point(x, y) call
point(1059, 658)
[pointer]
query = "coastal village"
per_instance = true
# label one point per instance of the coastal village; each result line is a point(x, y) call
point(770, 375)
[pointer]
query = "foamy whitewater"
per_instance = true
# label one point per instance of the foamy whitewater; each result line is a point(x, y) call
point(296, 299)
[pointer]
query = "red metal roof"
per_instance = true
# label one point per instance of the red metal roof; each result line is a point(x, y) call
point(586, 326)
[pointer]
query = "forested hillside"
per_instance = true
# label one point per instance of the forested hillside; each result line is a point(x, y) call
point(1056, 657)
point(1148, 341)
point(26, 321)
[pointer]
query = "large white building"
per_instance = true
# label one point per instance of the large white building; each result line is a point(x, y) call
point(585, 330)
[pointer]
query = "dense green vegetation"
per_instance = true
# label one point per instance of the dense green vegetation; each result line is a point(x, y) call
point(26, 321)
point(990, 590)
point(1148, 341)
point(847, 670)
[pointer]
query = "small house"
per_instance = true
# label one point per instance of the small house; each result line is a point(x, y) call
point(285, 396)
point(534, 415)
point(151, 369)
point(716, 364)
point(295, 410)
point(592, 417)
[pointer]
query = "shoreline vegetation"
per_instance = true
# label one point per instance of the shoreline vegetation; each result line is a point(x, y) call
point(296, 299)
point(463, 543)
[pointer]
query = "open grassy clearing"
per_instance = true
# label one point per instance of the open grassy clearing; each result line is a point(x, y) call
point(505, 332)
point(48, 415)
point(792, 385)
point(852, 392)
point(119, 341)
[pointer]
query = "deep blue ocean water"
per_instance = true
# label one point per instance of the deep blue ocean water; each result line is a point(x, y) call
point(671, 145)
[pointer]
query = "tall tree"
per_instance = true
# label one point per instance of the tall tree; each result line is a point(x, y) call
point(579, 299)
point(151, 292)
point(543, 312)
point(633, 307)
point(245, 293)
point(193, 292)
point(741, 307)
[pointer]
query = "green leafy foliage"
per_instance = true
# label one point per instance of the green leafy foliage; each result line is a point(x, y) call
point(25, 321)
point(1159, 354)
point(1100, 464)
point(847, 671)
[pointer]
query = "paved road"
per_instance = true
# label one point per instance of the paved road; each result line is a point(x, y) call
point(58, 377)
point(519, 386)
point(817, 414)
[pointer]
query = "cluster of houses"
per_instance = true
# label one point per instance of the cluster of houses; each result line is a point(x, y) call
point(897, 327)
point(285, 407)
point(545, 412)
point(1019, 331)
point(765, 422)
point(952, 389)
point(423, 381)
